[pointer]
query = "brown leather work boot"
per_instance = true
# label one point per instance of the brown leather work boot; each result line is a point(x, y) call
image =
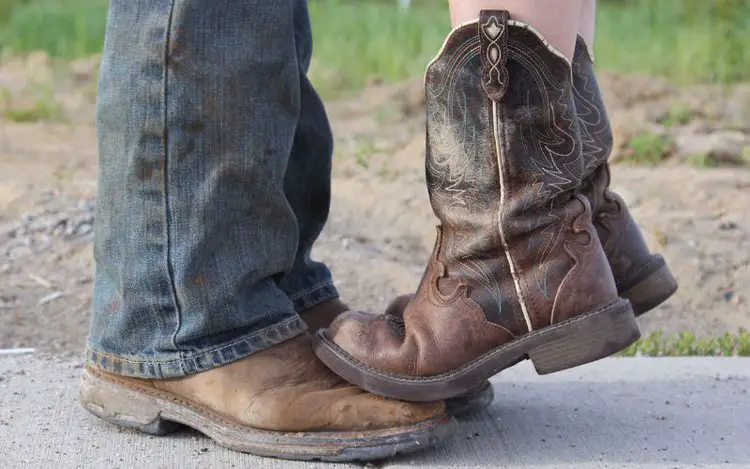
point(281, 402)
point(322, 315)
point(641, 277)
point(517, 270)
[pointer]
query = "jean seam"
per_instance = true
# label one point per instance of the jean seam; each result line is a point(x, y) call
point(313, 297)
point(165, 176)
point(201, 354)
point(316, 287)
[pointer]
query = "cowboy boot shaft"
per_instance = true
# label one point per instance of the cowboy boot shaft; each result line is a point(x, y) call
point(516, 250)
point(594, 125)
point(503, 162)
point(630, 260)
point(462, 173)
point(622, 239)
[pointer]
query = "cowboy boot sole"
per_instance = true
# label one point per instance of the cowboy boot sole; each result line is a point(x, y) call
point(577, 341)
point(159, 413)
point(644, 295)
point(651, 289)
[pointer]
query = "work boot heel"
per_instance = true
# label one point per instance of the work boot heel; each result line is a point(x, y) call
point(121, 406)
point(587, 338)
point(653, 290)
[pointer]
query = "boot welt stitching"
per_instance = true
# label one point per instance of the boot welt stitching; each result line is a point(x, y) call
point(478, 361)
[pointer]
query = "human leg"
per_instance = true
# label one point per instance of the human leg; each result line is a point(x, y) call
point(307, 185)
point(199, 105)
point(557, 21)
point(192, 224)
point(587, 22)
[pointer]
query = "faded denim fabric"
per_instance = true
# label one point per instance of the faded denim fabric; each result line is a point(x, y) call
point(214, 183)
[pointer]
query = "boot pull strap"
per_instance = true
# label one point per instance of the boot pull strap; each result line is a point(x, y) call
point(493, 35)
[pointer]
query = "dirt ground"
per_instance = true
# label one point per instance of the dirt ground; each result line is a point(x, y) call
point(381, 227)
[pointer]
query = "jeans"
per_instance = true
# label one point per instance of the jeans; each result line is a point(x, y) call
point(214, 183)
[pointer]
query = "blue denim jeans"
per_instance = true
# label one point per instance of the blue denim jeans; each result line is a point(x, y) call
point(214, 183)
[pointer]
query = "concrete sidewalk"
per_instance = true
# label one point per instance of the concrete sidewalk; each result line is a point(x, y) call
point(617, 413)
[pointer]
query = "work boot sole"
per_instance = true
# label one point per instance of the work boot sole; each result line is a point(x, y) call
point(577, 341)
point(651, 288)
point(159, 413)
point(474, 401)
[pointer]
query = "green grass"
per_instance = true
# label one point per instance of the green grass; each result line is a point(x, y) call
point(39, 105)
point(687, 344)
point(684, 40)
point(677, 116)
point(358, 41)
point(64, 28)
point(647, 149)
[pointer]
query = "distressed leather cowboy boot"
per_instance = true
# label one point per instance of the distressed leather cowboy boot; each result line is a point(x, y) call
point(322, 315)
point(517, 270)
point(641, 277)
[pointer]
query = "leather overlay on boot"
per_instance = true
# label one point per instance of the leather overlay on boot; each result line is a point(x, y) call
point(628, 254)
point(259, 403)
point(322, 315)
point(517, 267)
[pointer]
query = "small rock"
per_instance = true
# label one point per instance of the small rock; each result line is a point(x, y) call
point(85, 69)
point(6, 301)
point(51, 297)
point(727, 147)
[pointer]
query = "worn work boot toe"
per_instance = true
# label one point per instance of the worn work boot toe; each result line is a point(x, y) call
point(281, 402)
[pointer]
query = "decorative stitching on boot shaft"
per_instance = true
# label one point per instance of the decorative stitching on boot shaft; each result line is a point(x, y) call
point(493, 34)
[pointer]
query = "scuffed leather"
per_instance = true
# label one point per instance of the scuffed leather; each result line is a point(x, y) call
point(286, 388)
point(618, 232)
point(515, 230)
point(437, 332)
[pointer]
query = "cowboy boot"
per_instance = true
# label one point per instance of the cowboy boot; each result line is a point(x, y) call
point(641, 277)
point(322, 315)
point(517, 270)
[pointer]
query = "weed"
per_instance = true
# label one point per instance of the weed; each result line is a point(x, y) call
point(39, 105)
point(363, 151)
point(677, 116)
point(683, 40)
point(647, 149)
point(702, 160)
